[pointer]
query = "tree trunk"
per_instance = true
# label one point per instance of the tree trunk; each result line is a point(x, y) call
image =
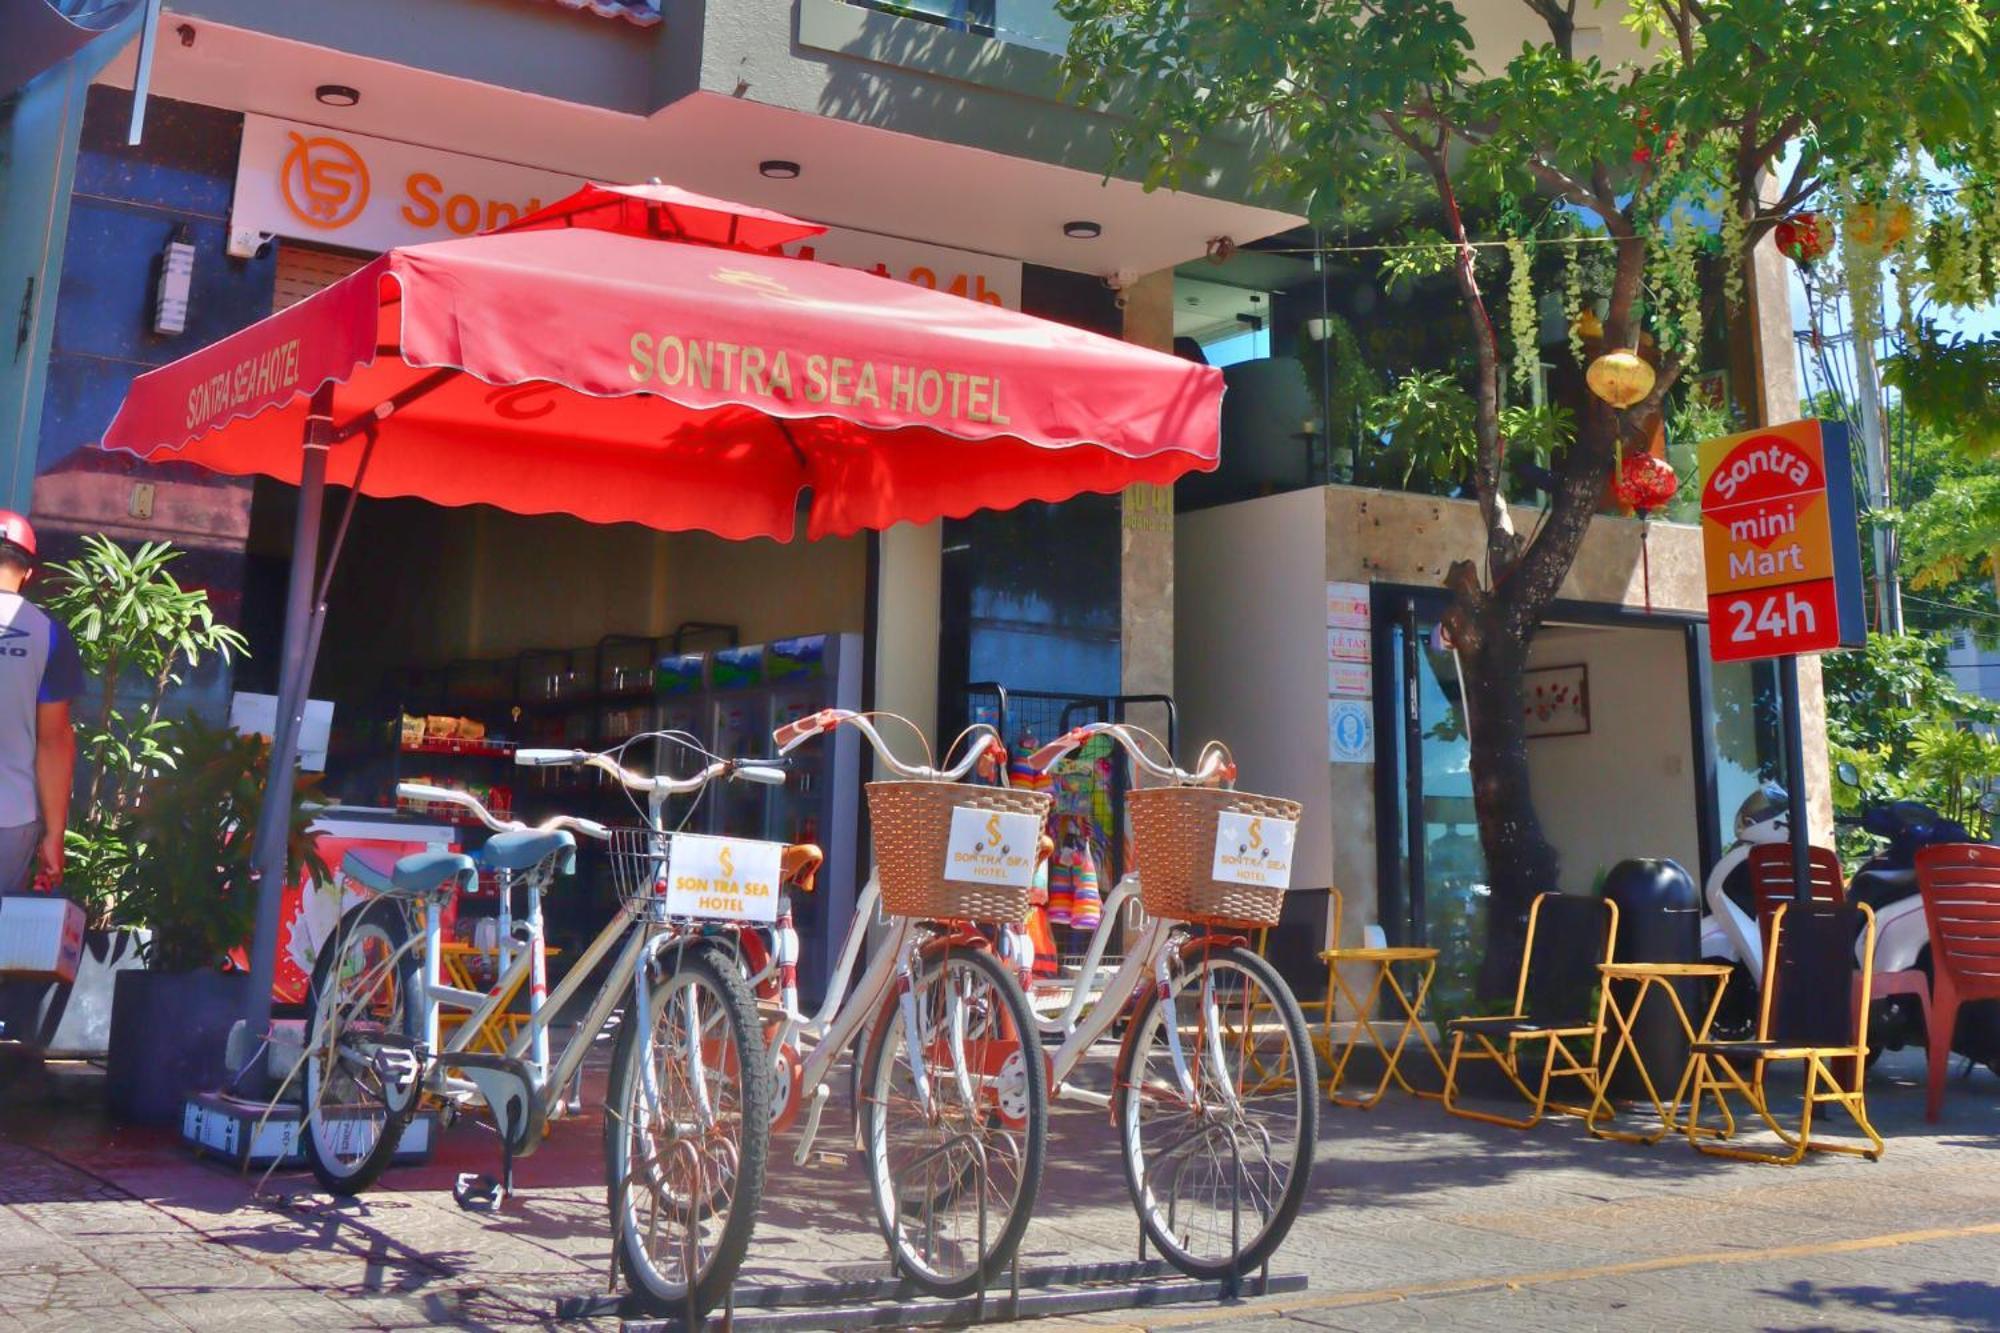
point(1520, 863)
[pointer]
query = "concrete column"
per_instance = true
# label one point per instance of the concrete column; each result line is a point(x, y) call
point(1146, 625)
point(1776, 400)
point(909, 585)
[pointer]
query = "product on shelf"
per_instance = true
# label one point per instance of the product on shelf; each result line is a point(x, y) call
point(438, 728)
point(412, 731)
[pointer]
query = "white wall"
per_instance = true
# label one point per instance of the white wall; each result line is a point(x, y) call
point(1627, 788)
point(1250, 653)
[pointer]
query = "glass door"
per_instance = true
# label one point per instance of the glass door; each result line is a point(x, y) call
point(1433, 870)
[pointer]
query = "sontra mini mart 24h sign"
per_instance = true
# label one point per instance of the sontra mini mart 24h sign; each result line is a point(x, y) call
point(1781, 546)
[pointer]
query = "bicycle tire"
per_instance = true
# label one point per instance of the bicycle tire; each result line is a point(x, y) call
point(1127, 1104)
point(885, 1045)
point(380, 919)
point(704, 964)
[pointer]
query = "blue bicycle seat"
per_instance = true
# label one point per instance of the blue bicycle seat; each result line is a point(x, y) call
point(528, 848)
point(418, 875)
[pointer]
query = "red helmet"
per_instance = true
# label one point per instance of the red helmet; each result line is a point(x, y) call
point(14, 531)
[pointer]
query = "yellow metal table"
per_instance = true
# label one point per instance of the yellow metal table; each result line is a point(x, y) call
point(1384, 961)
point(1637, 980)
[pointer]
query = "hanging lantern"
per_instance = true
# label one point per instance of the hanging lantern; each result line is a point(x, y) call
point(1620, 378)
point(1879, 226)
point(1803, 238)
point(1646, 482)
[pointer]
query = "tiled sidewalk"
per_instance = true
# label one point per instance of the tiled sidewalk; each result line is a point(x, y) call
point(1416, 1218)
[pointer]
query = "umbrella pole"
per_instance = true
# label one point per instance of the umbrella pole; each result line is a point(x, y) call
point(294, 675)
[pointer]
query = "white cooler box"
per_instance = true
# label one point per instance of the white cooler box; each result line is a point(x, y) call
point(41, 938)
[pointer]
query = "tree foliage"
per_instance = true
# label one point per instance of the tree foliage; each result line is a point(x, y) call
point(1383, 110)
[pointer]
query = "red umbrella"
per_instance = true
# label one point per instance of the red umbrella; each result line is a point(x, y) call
point(643, 354)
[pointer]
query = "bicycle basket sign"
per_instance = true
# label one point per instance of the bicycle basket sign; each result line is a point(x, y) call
point(735, 879)
point(1254, 849)
point(991, 847)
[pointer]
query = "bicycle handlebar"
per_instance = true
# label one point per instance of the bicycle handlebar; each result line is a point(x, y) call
point(1215, 768)
point(767, 772)
point(424, 791)
point(986, 742)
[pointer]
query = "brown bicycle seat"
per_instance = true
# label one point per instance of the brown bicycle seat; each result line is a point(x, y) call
point(799, 867)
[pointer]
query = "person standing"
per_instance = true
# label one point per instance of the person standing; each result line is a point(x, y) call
point(40, 673)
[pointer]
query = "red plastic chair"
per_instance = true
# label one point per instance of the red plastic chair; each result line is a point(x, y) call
point(1960, 884)
point(1771, 879)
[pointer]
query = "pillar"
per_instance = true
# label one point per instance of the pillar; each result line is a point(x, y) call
point(1146, 626)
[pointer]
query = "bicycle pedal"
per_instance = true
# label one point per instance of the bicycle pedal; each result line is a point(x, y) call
point(398, 1067)
point(476, 1192)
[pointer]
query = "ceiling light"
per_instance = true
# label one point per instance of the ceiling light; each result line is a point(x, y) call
point(1081, 230)
point(778, 169)
point(337, 94)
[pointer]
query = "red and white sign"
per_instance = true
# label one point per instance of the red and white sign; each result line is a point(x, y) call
point(1778, 543)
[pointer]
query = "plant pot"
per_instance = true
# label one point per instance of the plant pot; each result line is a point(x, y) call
point(169, 1032)
point(72, 1020)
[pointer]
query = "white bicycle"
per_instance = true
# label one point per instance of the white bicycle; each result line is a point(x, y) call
point(1214, 1093)
point(688, 1107)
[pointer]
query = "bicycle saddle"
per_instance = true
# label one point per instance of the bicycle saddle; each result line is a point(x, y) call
point(799, 866)
point(528, 848)
point(418, 875)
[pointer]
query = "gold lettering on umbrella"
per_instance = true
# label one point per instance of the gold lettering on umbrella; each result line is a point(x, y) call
point(751, 371)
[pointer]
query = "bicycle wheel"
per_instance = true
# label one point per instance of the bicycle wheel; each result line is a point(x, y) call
point(685, 1139)
point(988, 1103)
point(1218, 1173)
point(361, 1083)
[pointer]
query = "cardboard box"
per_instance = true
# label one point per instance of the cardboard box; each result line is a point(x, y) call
point(41, 938)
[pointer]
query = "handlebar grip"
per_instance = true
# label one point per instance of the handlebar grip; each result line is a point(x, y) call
point(767, 774)
point(547, 758)
point(796, 733)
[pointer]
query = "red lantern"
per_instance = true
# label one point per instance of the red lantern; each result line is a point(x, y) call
point(1804, 237)
point(1646, 482)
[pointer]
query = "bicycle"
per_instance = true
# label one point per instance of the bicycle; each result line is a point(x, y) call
point(688, 1108)
point(952, 1098)
point(1202, 1139)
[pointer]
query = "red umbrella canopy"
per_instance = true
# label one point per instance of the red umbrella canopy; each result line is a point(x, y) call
point(669, 213)
point(566, 365)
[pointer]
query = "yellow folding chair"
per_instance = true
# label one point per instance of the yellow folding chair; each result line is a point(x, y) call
point(1382, 961)
point(1807, 1015)
point(1557, 1001)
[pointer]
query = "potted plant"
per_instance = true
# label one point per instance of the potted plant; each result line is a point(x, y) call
point(138, 632)
point(192, 886)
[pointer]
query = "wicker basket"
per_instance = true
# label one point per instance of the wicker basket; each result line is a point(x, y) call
point(912, 825)
point(1173, 835)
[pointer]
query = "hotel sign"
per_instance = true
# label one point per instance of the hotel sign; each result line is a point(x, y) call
point(309, 183)
point(1780, 542)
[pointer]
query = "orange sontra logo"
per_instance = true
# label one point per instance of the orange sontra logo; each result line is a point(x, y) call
point(324, 181)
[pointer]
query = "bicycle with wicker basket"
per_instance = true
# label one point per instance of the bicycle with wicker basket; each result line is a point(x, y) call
point(1214, 1093)
point(951, 1093)
point(687, 1110)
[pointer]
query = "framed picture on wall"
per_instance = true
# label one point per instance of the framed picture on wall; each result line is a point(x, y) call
point(1557, 701)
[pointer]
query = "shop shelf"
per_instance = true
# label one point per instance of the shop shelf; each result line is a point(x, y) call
point(486, 749)
point(447, 814)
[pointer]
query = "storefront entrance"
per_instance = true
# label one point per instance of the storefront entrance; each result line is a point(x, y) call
point(1638, 747)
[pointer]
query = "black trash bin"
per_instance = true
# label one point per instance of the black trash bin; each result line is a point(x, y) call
point(1659, 921)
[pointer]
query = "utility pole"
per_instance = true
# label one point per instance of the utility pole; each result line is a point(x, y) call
point(1875, 466)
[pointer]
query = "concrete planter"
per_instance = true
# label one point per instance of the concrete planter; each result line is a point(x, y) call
point(169, 1034)
point(72, 1021)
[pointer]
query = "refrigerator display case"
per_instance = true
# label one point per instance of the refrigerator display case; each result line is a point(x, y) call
point(732, 699)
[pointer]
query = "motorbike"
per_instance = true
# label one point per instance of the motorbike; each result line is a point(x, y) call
point(1887, 882)
point(1729, 931)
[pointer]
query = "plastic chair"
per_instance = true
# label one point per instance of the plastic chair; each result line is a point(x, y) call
point(1808, 967)
point(1960, 884)
point(1557, 1001)
point(1771, 883)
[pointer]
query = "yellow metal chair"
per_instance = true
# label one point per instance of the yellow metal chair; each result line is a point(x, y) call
point(1806, 1016)
point(1558, 1001)
point(1383, 961)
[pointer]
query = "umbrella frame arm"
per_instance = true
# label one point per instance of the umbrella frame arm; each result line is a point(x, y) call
point(309, 586)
